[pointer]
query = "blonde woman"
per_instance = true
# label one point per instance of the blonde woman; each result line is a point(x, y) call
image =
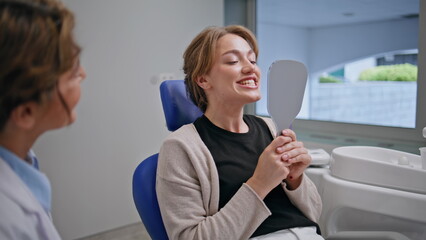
point(225, 176)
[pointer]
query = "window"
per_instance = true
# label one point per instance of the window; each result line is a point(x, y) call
point(344, 44)
point(378, 90)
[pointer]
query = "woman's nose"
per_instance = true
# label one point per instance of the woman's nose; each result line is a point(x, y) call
point(82, 73)
point(248, 67)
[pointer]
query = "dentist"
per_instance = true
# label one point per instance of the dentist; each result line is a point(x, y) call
point(40, 78)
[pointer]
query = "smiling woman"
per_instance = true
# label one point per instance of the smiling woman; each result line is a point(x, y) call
point(228, 175)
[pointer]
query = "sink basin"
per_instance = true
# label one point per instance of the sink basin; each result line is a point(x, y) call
point(380, 167)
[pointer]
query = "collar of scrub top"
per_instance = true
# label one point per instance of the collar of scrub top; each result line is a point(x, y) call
point(35, 180)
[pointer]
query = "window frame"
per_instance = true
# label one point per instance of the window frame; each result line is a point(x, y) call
point(391, 137)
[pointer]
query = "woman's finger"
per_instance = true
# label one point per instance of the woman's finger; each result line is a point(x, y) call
point(289, 133)
point(303, 158)
point(279, 143)
point(290, 146)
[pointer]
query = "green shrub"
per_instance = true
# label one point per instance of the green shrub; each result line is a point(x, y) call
point(329, 79)
point(399, 72)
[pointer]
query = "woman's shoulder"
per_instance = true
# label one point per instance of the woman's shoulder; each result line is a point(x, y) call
point(269, 122)
point(258, 117)
point(266, 119)
point(184, 149)
point(184, 133)
point(186, 137)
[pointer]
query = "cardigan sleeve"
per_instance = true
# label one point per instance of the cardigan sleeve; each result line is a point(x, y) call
point(188, 195)
point(306, 198)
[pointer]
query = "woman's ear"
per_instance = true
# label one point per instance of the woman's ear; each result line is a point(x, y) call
point(24, 115)
point(202, 82)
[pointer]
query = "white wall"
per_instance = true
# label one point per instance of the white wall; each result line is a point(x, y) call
point(125, 45)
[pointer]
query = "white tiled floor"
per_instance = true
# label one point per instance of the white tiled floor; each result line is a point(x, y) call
point(134, 231)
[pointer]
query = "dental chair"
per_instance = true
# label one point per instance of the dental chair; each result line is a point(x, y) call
point(178, 110)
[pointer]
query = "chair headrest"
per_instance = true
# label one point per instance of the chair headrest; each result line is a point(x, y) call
point(177, 106)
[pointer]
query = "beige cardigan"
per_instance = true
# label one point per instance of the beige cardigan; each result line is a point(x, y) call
point(188, 193)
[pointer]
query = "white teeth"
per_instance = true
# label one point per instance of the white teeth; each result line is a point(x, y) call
point(248, 83)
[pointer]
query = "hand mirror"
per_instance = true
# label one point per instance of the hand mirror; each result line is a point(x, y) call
point(286, 87)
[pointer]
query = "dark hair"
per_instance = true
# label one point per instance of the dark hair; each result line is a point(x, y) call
point(200, 55)
point(36, 48)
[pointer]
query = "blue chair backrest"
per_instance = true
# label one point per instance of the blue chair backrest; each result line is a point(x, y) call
point(177, 106)
point(145, 198)
point(178, 110)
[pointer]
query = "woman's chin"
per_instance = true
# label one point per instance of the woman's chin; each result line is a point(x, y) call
point(255, 98)
point(72, 118)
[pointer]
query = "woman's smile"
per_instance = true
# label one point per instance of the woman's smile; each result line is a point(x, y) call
point(248, 82)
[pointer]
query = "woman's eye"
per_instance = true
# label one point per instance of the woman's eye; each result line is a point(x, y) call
point(253, 62)
point(232, 62)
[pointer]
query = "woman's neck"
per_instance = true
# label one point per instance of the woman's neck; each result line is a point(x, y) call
point(228, 119)
point(17, 143)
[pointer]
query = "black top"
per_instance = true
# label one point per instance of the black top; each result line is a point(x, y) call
point(236, 156)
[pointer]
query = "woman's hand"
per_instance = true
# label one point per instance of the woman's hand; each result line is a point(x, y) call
point(296, 156)
point(271, 169)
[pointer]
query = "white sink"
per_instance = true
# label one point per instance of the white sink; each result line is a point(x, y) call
point(379, 166)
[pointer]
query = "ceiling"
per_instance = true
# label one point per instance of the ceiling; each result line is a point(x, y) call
point(322, 13)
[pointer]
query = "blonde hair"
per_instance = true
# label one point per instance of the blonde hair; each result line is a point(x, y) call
point(36, 48)
point(200, 55)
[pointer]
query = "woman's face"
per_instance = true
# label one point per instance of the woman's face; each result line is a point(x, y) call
point(235, 76)
point(55, 114)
